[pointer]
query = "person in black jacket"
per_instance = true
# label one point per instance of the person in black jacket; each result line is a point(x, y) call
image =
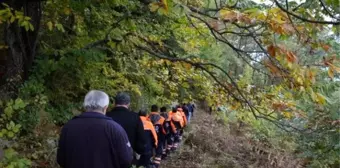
point(93, 140)
point(167, 127)
point(130, 121)
point(186, 111)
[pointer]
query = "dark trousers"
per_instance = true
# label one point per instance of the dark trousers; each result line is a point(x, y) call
point(145, 160)
point(170, 141)
point(159, 149)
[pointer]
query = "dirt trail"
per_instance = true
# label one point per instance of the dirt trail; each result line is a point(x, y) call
point(208, 143)
point(196, 141)
point(179, 158)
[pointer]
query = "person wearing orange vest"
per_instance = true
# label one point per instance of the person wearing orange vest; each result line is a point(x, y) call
point(169, 129)
point(177, 119)
point(158, 122)
point(180, 109)
point(151, 139)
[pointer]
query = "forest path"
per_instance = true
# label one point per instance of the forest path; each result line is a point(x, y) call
point(187, 155)
point(209, 143)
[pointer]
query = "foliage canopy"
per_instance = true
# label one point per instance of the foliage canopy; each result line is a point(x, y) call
point(273, 63)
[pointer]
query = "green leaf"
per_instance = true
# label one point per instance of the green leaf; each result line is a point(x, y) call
point(9, 111)
point(31, 27)
point(5, 5)
point(111, 44)
point(10, 153)
point(21, 164)
point(19, 104)
point(12, 124)
point(16, 128)
point(1, 134)
point(10, 134)
point(10, 166)
point(49, 25)
point(27, 28)
point(252, 10)
point(60, 27)
point(12, 19)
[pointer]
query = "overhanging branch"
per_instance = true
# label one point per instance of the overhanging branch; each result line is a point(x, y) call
point(305, 19)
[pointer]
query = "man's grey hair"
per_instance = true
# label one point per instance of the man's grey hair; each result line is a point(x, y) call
point(122, 98)
point(96, 100)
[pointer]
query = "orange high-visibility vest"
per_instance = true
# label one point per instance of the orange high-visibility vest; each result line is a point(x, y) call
point(183, 116)
point(170, 114)
point(177, 117)
point(149, 127)
point(173, 127)
point(160, 121)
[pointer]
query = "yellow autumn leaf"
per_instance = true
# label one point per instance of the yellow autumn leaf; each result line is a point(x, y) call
point(299, 80)
point(187, 66)
point(165, 5)
point(154, 6)
point(288, 95)
point(330, 73)
point(291, 104)
point(224, 12)
point(261, 16)
point(235, 106)
point(287, 114)
point(290, 65)
point(67, 11)
point(50, 25)
point(313, 95)
point(310, 75)
point(228, 15)
point(334, 68)
point(320, 98)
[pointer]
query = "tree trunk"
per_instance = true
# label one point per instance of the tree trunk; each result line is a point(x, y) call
point(21, 44)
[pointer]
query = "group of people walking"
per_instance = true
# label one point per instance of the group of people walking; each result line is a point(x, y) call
point(121, 138)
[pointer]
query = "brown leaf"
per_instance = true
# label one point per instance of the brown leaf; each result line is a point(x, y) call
point(325, 47)
point(273, 69)
point(334, 68)
point(289, 29)
point(291, 57)
point(328, 61)
point(245, 19)
point(229, 15)
point(271, 50)
point(310, 75)
point(186, 66)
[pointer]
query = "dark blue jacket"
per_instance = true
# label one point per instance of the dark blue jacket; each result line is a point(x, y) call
point(191, 107)
point(92, 140)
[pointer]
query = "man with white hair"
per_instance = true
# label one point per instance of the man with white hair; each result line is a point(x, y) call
point(92, 140)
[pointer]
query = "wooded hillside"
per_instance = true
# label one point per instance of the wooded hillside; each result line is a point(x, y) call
point(270, 67)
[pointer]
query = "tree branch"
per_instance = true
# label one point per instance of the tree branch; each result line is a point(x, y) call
point(327, 10)
point(304, 19)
